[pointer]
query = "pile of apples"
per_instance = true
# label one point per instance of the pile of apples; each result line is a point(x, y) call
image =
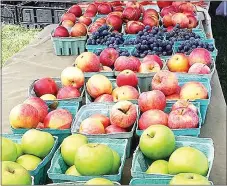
point(198, 62)
point(188, 164)
point(20, 158)
point(122, 117)
point(81, 155)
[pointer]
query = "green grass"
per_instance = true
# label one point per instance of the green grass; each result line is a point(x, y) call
point(15, 38)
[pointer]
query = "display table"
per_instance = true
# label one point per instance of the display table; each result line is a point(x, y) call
point(38, 60)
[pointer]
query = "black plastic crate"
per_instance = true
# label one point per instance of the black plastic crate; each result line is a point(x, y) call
point(9, 14)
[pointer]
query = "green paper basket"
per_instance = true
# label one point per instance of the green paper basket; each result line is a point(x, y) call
point(40, 173)
point(77, 183)
point(58, 167)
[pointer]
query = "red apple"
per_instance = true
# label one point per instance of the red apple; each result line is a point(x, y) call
point(184, 104)
point(188, 13)
point(193, 90)
point(162, 4)
point(183, 118)
point(125, 92)
point(151, 12)
point(167, 20)
point(151, 21)
point(155, 58)
point(40, 126)
point(61, 31)
point(127, 63)
point(94, 27)
point(149, 66)
point(104, 98)
point(98, 85)
point(114, 129)
point(133, 27)
point(118, 8)
point(131, 14)
point(187, 6)
point(101, 20)
point(152, 117)
point(199, 68)
point(67, 24)
point(119, 14)
point(200, 55)
point(108, 56)
point(85, 20)
point(174, 96)
point(92, 8)
point(181, 19)
point(91, 126)
point(68, 92)
point(168, 10)
point(76, 10)
point(88, 62)
point(58, 119)
point(165, 81)
point(115, 21)
point(193, 22)
point(104, 8)
point(68, 16)
point(40, 105)
point(178, 63)
point(79, 29)
point(136, 62)
point(154, 99)
point(89, 14)
point(123, 114)
point(45, 86)
point(127, 77)
point(105, 69)
point(102, 118)
point(176, 4)
point(169, 28)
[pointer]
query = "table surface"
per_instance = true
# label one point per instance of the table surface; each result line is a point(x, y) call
point(38, 60)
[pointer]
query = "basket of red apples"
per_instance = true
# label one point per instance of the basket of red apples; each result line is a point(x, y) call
point(107, 120)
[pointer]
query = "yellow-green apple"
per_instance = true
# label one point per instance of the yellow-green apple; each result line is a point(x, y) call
point(149, 66)
point(91, 126)
point(68, 92)
point(131, 14)
point(104, 98)
point(94, 159)
point(102, 118)
point(182, 118)
point(114, 21)
point(29, 162)
point(9, 150)
point(85, 20)
point(150, 12)
point(19, 150)
point(24, 116)
point(14, 174)
point(193, 22)
point(108, 57)
point(68, 150)
point(182, 103)
point(125, 92)
point(37, 143)
point(98, 85)
point(200, 55)
point(67, 24)
point(126, 63)
point(162, 4)
point(114, 129)
point(151, 21)
point(127, 77)
point(168, 10)
point(78, 30)
point(72, 171)
point(61, 31)
point(193, 90)
point(123, 114)
point(199, 68)
point(45, 86)
point(72, 76)
point(157, 142)
point(158, 167)
point(187, 6)
point(152, 117)
point(99, 181)
point(189, 179)
point(52, 97)
point(155, 58)
point(40, 105)
point(165, 81)
point(133, 27)
point(88, 62)
point(58, 119)
point(104, 8)
point(154, 99)
point(116, 162)
point(167, 20)
point(178, 63)
point(68, 16)
point(181, 19)
point(188, 160)
point(76, 10)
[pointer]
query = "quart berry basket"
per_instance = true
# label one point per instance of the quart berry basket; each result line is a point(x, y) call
point(58, 167)
point(40, 173)
point(77, 183)
point(140, 163)
point(102, 108)
point(179, 132)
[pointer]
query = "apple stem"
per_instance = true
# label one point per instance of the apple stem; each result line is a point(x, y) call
point(182, 111)
point(150, 135)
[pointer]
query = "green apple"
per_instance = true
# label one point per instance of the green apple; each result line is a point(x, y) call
point(189, 179)
point(68, 150)
point(116, 162)
point(14, 174)
point(158, 167)
point(19, 150)
point(94, 159)
point(29, 162)
point(9, 150)
point(188, 160)
point(99, 181)
point(72, 171)
point(157, 142)
point(37, 143)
